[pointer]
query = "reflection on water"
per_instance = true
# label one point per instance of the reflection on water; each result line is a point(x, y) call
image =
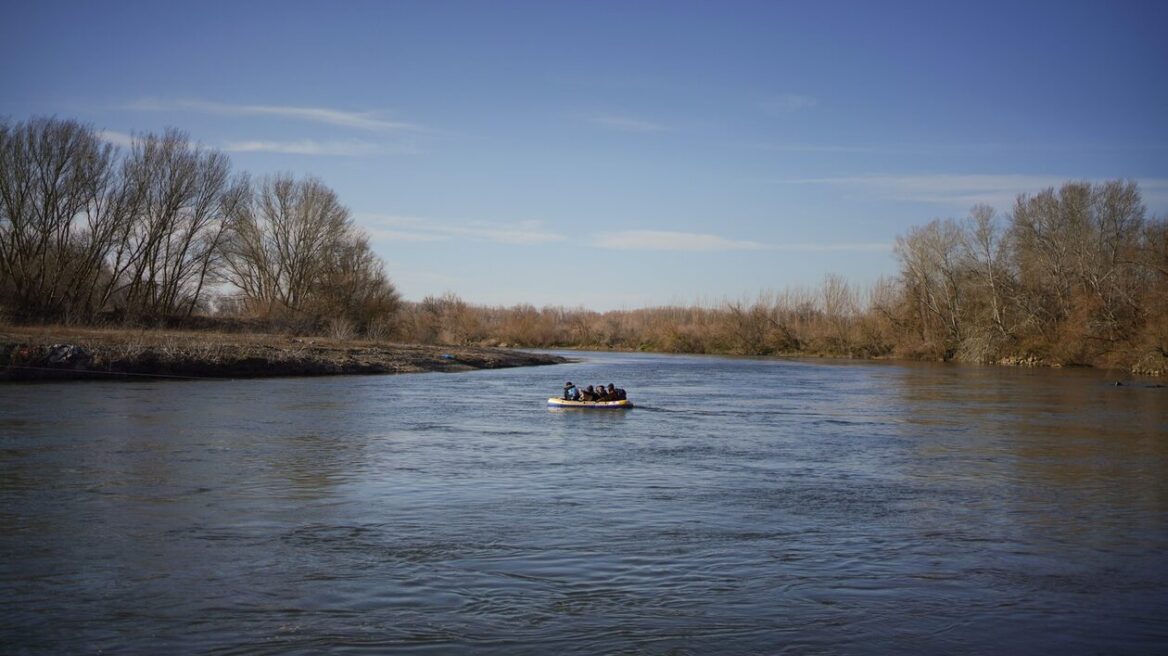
point(744, 506)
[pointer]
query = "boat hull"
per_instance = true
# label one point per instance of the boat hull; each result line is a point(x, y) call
point(590, 405)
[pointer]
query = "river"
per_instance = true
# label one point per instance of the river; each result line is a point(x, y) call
point(744, 506)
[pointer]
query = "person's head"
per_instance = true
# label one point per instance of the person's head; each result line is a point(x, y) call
point(611, 387)
point(589, 388)
point(567, 384)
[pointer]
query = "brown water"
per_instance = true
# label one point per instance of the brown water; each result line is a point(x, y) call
point(745, 506)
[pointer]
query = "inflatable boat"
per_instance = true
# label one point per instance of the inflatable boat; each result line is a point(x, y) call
point(590, 405)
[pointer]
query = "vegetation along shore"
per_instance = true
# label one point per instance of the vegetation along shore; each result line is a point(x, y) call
point(164, 233)
point(32, 354)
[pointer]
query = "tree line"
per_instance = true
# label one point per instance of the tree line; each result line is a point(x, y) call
point(1077, 275)
point(92, 232)
point(163, 230)
point(1073, 276)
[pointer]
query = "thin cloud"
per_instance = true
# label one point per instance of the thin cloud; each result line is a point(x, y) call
point(356, 120)
point(1155, 193)
point(845, 247)
point(524, 232)
point(305, 147)
point(625, 123)
point(789, 102)
point(116, 138)
point(928, 147)
point(407, 228)
point(387, 234)
point(663, 240)
point(302, 147)
point(965, 190)
point(407, 277)
point(817, 148)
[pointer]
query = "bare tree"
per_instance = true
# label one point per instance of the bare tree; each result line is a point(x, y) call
point(1110, 270)
point(1076, 256)
point(293, 251)
point(353, 284)
point(52, 172)
point(281, 240)
point(933, 277)
point(986, 253)
point(840, 305)
point(179, 197)
point(1153, 258)
point(1045, 232)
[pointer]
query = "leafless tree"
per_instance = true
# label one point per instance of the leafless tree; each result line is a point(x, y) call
point(1076, 255)
point(933, 277)
point(280, 242)
point(353, 284)
point(1110, 269)
point(840, 306)
point(179, 197)
point(987, 257)
point(1045, 232)
point(55, 177)
point(293, 251)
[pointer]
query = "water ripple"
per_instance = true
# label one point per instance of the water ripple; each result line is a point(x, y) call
point(860, 509)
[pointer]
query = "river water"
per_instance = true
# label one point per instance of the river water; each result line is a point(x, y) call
point(745, 506)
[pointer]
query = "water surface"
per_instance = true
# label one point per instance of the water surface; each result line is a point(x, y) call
point(745, 506)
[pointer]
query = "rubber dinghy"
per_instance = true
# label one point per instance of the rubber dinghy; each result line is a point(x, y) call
point(590, 405)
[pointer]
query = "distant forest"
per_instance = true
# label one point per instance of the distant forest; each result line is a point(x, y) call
point(163, 233)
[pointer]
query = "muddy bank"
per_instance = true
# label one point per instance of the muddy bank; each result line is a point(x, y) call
point(38, 354)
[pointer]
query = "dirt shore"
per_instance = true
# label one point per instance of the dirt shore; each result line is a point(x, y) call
point(36, 353)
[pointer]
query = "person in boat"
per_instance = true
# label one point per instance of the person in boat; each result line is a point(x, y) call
point(571, 392)
point(588, 394)
point(616, 393)
point(602, 394)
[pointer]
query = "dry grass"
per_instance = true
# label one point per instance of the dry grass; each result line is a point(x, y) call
point(25, 353)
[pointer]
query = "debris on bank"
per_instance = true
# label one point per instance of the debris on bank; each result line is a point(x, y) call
point(184, 356)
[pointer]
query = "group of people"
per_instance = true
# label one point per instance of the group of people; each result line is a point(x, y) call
point(598, 393)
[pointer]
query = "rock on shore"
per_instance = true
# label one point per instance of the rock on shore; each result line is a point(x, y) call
point(124, 355)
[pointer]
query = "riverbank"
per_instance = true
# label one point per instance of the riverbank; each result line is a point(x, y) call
point(1153, 364)
point(54, 353)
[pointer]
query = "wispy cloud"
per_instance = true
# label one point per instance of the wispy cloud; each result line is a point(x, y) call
point(368, 121)
point(404, 276)
point(966, 190)
point(384, 227)
point(789, 102)
point(116, 138)
point(1155, 193)
point(943, 147)
point(302, 147)
point(949, 147)
point(408, 228)
point(816, 148)
point(842, 247)
point(661, 240)
point(625, 123)
point(305, 147)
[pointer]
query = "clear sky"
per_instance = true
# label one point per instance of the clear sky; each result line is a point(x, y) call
point(624, 154)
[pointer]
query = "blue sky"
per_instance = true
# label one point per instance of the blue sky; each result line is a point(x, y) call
point(618, 155)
